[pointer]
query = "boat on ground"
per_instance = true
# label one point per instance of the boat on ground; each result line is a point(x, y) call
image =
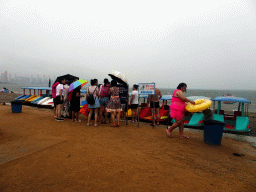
point(39, 100)
point(236, 122)
point(145, 113)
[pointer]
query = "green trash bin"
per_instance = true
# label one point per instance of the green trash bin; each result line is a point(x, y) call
point(16, 106)
point(213, 131)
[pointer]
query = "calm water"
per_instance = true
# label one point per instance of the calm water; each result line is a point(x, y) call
point(250, 95)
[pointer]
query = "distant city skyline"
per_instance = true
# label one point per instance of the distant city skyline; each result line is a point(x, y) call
point(7, 77)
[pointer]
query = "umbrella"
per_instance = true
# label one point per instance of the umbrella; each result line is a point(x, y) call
point(76, 84)
point(69, 78)
point(119, 77)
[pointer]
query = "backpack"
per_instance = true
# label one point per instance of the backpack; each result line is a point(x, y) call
point(90, 98)
point(104, 91)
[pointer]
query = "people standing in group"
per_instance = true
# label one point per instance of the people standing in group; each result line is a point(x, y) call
point(75, 104)
point(114, 105)
point(59, 99)
point(178, 109)
point(66, 101)
point(134, 103)
point(54, 98)
point(94, 91)
point(104, 99)
point(154, 103)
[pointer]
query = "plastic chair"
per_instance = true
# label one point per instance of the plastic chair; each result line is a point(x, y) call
point(217, 117)
point(242, 123)
point(196, 119)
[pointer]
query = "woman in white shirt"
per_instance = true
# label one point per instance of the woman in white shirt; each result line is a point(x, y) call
point(59, 99)
point(134, 102)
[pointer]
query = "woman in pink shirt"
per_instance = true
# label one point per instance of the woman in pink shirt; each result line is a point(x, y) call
point(178, 109)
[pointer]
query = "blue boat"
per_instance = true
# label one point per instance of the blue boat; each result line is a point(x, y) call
point(41, 100)
point(236, 122)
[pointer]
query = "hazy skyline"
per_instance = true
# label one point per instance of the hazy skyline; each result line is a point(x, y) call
point(208, 45)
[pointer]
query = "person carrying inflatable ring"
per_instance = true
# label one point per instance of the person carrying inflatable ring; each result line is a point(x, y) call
point(178, 109)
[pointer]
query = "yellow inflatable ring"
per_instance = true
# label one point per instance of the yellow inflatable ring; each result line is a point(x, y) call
point(201, 104)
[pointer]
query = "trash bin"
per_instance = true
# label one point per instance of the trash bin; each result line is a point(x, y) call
point(213, 131)
point(16, 106)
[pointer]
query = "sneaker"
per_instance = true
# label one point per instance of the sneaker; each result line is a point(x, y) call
point(60, 119)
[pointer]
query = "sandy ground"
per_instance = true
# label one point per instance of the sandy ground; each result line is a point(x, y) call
point(46, 155)
point(8, 97)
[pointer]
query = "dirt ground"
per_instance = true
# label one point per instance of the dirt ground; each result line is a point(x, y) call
point(41, 154)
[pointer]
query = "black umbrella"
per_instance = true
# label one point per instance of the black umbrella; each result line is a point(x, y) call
point(69, 78)
point(120, 78)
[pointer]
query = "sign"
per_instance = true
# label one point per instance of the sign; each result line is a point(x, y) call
point(146, 88)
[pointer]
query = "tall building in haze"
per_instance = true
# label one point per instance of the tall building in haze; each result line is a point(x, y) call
point(5, 78)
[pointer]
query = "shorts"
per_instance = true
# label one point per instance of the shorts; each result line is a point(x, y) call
point(104, 100)
point(95, 105)
point(156, 104)
point(54, 102)
point(75, 108)
point(134, 106)
point(58, 101)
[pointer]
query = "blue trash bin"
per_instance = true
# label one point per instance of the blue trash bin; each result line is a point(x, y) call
point(213, 131)
point(16, 106)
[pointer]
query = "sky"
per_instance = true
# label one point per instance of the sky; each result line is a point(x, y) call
point(206, 44)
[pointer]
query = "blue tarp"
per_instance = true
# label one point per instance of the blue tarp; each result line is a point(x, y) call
point(45, 88)
point(234, 99)
point(198, 97)
point(38, 88)
point(166, 97)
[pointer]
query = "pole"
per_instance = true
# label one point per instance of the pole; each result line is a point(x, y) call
point(138, 111)
point(153, 118)
point(168, 118)
point(242, 109)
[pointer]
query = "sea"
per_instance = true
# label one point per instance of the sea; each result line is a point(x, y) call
point(247, 94)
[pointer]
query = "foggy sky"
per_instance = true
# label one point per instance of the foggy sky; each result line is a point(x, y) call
point(206, 44)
